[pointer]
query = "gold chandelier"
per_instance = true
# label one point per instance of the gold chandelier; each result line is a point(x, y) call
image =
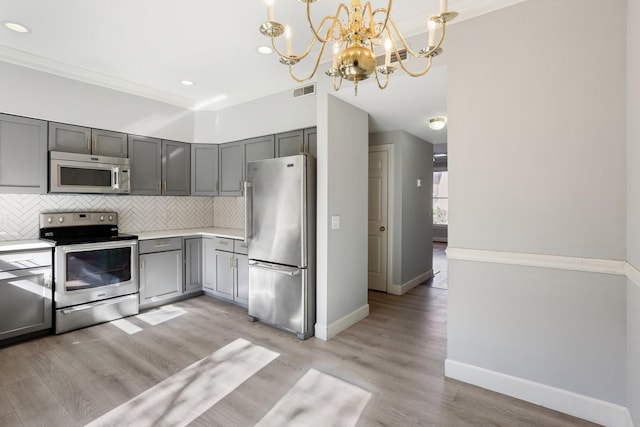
point(357, 32)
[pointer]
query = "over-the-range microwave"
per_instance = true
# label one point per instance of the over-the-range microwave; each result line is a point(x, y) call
point(85, 173)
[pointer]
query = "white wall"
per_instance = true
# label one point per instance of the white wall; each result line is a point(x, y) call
point(633, 208)
point(31, 93)
point(273, 114)
point(537, 166)
point(412, 219)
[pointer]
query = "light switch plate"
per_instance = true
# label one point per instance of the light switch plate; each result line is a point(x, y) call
point(335, 222)
point(419, 183)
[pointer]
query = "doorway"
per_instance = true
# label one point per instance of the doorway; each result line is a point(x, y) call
point(379, 232)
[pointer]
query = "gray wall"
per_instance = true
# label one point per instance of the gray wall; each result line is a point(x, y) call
point(633, 208)
point(528, 138)
point(412, 217)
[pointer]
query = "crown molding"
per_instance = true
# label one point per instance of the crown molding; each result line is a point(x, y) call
point(60, 69)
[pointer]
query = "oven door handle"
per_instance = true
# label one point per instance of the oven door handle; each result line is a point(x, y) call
point(84, 307)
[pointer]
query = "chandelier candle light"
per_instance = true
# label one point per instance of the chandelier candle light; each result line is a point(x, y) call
point(357, 32)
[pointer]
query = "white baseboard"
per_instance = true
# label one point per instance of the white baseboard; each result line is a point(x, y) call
point(406, 287)
point(577, 405)
point(325, 332)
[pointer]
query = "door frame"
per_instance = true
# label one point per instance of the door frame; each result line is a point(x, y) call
point(390, 206)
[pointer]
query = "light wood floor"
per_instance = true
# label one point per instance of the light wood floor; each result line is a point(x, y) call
point(397, 354)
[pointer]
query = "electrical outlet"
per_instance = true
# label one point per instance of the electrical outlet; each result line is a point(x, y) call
point(335, 222)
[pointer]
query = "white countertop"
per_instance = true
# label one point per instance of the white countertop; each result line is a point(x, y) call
point(24, 245)
point(230, 233)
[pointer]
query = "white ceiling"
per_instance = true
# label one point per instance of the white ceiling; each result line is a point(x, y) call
point(146, 47)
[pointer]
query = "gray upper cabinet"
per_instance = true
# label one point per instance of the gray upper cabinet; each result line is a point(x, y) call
point(258, 149)
point(145, 154)
point(78, 139)
point(231, 168)
point(297, 142)
point(23, 155)
point(290, 143)
point(176, 173)
point(311, 141)
point(204, 170)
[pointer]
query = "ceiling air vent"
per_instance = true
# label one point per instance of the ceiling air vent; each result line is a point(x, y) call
point(304, 91)
point(402, 53)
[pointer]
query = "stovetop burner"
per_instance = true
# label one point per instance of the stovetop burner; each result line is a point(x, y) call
point(65, 228)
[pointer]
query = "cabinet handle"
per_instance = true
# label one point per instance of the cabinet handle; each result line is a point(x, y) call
point(95, 144)
point(142, 264)
point(158, 186)
point(162, 245)
point(88, 143)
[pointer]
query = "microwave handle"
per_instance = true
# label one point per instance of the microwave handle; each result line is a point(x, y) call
point(116, 178)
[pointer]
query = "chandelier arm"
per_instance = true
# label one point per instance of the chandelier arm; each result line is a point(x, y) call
point(315, 68)
point(402, 40)
point(297, 57)
point(386, 83)
point(411, 73)
point(434, 48)
point(337, 88)
point(334, 18)
point(387, 13)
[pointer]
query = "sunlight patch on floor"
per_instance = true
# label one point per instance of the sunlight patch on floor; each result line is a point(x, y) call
point(318, 399)
point(161, 315)
point(126, 326)
point(183, 397)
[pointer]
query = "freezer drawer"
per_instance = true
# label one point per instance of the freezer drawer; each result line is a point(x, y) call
point(280, 296)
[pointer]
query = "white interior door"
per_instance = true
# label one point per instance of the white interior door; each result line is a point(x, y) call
point(378, 220)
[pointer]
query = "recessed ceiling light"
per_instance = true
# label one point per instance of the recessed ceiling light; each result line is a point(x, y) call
point(265, 50)
point(187, 82)
point(437, 123)
point(18, 28)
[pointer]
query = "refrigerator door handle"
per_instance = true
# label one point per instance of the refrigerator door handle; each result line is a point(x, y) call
point(290, 271)
point(248, 211)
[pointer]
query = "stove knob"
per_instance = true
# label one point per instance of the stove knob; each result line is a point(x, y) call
point(50, 219)
point(110, 217)
point(101, 217)
point(61, 219)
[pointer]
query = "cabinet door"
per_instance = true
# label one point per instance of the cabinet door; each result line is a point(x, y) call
point(193, 263)
point(311, 141)
point(23, 155)
point(26, 307)
point(241, 290)
point(225, 273)
point(204, 169)
point(209, 265)
point(160, 276)
point(231, 168)
point(289, 143)
point(258, 149)
point(176, 175)
point(109, 143)
point(145, 156)
point(69, 138)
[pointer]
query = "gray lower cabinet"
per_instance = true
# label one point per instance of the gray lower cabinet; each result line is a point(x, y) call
point(79, 139)
point(227, 276)
point(145, 154)
point(25, 292)
point(231, 168)
point(193, 261)
point(176, 174)
point(23, 155)
point(161, 270)
point(204, 169)
point(258, 149)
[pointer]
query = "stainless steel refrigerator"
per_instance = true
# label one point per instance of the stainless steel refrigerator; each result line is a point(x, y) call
point(281, 230)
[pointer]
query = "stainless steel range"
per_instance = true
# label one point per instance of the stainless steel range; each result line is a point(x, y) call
point(95, 268)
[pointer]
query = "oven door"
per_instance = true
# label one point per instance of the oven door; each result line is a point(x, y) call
point(95, 271)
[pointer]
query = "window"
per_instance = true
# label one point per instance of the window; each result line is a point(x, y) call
point(441, 198)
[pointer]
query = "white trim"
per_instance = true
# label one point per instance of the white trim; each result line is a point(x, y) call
point(591, 265)
point(49, 66)
point(325, 332)
point(574, 404)
point(406, 287)
point(389, 148)
point(633, 274)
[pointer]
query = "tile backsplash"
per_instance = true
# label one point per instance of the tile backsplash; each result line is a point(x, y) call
point(19, 213)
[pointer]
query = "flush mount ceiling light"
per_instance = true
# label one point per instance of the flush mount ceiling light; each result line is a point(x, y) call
point(357, 33)
point(265, 50)
point(437, 123)
point(187, 82)
point(18, 28)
